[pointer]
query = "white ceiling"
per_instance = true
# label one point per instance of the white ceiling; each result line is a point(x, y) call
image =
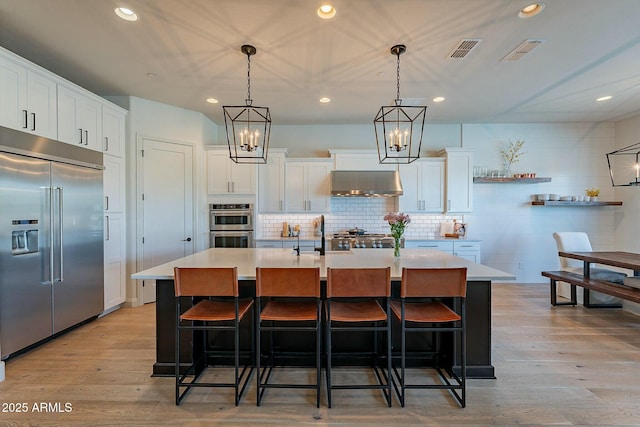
point(591, 48)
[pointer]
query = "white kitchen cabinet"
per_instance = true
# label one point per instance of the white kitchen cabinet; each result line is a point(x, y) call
point(113, 181)
point(458, 179)
point(467, 250)
point(79, 118)
point(224, 176)
point(422, 186)
point(271, 179)
point(114, 261)
point(462, 248)
point(269, 244)
point(308, 185)
point(429, 244)
point(28, 100)
point(113, 130)
point(114, 231)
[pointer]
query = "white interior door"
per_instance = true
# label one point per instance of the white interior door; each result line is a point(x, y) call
point(167, 204)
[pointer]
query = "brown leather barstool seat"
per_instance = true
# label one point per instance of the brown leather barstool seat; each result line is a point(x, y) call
point(208, 315)
point(287, 300)
point(418, 315)
point(354, 303)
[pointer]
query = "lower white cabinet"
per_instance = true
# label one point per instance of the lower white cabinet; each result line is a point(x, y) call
point(305, 245)
point(464, 248)
point(467, 250)
point(115, 290)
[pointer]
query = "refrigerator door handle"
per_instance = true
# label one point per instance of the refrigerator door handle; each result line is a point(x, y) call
point(60, 230)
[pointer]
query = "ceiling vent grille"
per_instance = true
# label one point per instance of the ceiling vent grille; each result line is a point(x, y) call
point(464, 48)
point(521, 50)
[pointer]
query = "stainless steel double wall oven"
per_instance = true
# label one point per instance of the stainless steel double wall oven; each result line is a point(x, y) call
point(231, 225)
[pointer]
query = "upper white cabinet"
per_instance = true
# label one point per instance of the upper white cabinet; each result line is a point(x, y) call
point(422, 186)
point(359, 160)
point(224, 176)
point(79, 118)
point(271, 179)
point(28, 97)
point(308, 185)
point(459, 179)
point(113, 130)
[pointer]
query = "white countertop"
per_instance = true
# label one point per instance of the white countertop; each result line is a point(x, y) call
point(248, 259)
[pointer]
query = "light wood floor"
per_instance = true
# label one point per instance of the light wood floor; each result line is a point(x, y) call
point(562, 365)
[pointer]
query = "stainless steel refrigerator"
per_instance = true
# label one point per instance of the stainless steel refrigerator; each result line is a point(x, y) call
point(51, 238)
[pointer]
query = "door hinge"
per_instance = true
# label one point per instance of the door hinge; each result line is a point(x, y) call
point(143, 240)
point(142, 196)
point(142, 153)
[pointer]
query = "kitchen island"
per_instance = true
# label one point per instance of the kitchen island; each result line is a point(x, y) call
point(479, 278)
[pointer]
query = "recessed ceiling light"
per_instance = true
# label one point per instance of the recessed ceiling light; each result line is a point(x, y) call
point(604, 98)
point(325, 100)
point(532, 10)
point(438, 99)
point(212, 100)
point(326, 11)
point(126, 14)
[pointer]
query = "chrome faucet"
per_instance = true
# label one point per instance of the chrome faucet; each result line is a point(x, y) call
point(321, 249)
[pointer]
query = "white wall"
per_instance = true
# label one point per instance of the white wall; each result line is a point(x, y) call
point(517, 237)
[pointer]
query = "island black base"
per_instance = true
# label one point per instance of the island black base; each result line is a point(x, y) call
point(478, 333)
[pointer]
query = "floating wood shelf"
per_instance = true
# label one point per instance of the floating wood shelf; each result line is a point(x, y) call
point(566, 203)
point(489, 180)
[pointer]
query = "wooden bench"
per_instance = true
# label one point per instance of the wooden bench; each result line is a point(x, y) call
point(574, 279)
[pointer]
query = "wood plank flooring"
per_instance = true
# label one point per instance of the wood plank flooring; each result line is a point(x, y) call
point(554, 365)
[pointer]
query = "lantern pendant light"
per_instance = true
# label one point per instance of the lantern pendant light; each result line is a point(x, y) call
point(399, 128)
point(624, 166)
point(248, 127)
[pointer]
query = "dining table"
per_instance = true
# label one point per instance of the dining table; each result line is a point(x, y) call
point(629, 260)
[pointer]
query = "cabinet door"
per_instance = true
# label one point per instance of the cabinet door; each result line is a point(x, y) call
point(41, 105)
point(13, 101)
point(271, 185)
point(467, 250)
point(411, 200)
point(459, 182)
point(217, 173)
point(113, 179)
point(79, 119)
point(242, 177)
point(113, 131)
point(432, 186)
point(114, 265)
point(318, 187)
point(295, 185)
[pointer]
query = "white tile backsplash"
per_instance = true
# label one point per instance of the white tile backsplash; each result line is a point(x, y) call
point(351, 212)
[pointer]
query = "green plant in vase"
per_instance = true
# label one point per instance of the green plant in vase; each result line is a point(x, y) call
point(397, 222)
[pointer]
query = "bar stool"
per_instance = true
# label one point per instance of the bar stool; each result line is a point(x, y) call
point(417, 315)
point(295, 307)
point(221, 314)
point(353, 304)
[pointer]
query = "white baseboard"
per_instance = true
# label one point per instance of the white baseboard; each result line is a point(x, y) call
point(1, 371)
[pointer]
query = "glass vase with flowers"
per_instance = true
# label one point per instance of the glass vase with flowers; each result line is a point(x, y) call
point(398, 222)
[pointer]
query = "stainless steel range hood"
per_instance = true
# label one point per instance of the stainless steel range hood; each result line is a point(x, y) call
point(366, 183)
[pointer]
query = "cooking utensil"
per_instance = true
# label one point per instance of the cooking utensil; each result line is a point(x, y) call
point(356, 231)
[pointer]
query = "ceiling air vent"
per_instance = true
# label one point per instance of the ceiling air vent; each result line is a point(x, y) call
point(463, 48)
point(523, 48)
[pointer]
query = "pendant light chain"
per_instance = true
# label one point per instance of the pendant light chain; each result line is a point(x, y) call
point(248, 100)
point(398, 80)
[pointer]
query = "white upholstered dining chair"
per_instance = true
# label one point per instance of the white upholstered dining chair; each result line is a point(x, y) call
point(577, 241)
